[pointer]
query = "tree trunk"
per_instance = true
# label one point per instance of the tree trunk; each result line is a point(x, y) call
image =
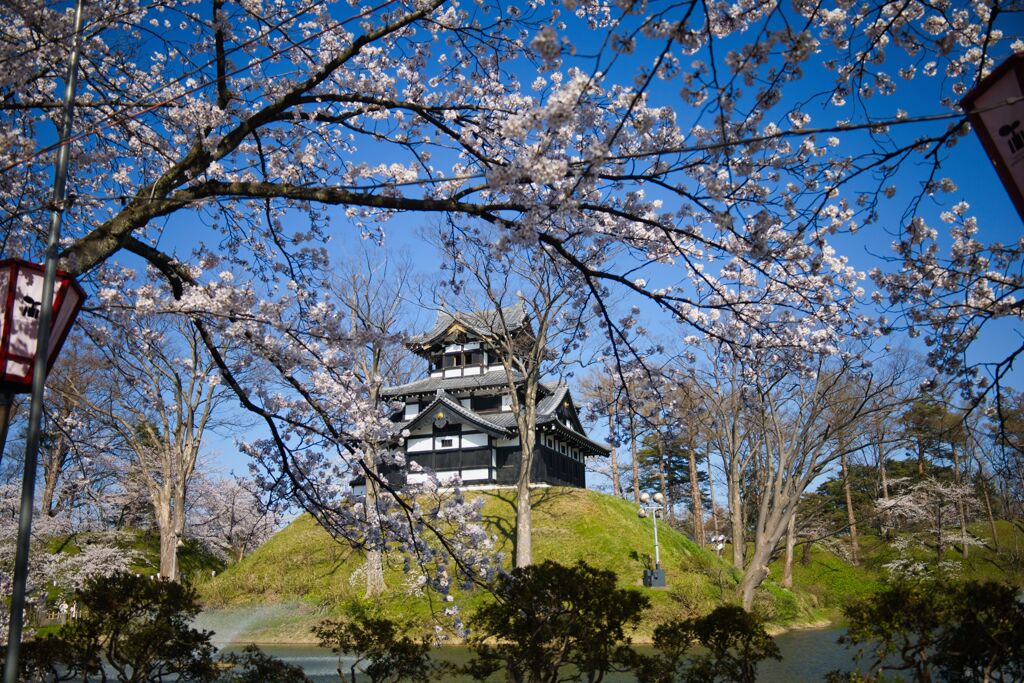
point(765, 541)
point(168, 545)
point(920, 459)
point(983, 479)
point(527, 422)
point(755, 575)
point(850, 517)
point(51, 475)
point(695, 501)
point(613, 457)
point(960, 507)
point(736, 520)
point(711, 491)
point(524, 523)
point(374, 555)
point(636, 465)
point(884, 476)
point(787, 567)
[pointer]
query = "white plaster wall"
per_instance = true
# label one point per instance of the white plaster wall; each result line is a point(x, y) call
point(420, 445)
point(474, 440)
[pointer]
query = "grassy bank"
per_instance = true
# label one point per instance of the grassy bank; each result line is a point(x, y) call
point(301, 575)
point(303, 568)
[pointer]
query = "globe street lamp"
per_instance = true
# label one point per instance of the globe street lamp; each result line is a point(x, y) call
point(718, 543)
point(653, 578)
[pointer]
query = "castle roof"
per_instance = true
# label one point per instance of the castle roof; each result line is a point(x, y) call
point(493, 378)
point(503, 424)
point(483, 324)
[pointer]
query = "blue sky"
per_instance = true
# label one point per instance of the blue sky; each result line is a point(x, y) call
point(966, 164)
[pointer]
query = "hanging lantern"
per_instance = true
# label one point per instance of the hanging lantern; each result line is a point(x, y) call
point(995, 108)
point(21, 298)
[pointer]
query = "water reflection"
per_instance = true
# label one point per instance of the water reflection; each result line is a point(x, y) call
point(806, 656)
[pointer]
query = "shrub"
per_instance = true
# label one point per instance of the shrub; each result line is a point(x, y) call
point(140, 630)
point(549, 617)
point(383, 649)
point(963, 631)
point(734, 643)
point(138, 627)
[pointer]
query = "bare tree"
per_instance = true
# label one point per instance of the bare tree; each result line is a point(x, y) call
point(536, 324)
point(600, 389)
point(371, 293)
point(159, 399)
point(731, 434)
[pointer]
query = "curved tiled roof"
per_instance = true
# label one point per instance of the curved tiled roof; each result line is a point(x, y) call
point(485, 423)
point(504, 423)
point(432, 384)
point(483, 323)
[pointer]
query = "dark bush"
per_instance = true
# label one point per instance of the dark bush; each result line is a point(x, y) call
point(734, 643)
point(384, 650)
point(932, 629)
point(550, 621)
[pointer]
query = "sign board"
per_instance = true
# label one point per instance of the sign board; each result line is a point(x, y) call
point(995, 108)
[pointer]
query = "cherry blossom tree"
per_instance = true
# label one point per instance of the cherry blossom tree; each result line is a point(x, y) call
point(214, 138)
point(229, 516)
point(926, 511)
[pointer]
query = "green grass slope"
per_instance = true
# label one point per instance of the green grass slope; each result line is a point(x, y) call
point(302, 575)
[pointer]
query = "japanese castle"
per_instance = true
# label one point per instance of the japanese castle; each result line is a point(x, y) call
point(458, 421)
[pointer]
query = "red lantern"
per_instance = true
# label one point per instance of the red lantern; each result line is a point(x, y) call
point(995, 108)
point(21, 294)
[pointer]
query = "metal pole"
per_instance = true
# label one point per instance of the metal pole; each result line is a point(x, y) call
point(657, 557)
point(6, 411)
point(28, 484)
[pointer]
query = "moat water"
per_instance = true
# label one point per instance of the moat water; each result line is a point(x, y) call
point(807, 655)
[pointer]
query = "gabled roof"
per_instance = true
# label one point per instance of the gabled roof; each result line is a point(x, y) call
point(450, 404)
point(481, 323)
point(503, 424)
point(494, 378)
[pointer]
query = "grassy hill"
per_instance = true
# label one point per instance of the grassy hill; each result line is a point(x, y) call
point(302, 575)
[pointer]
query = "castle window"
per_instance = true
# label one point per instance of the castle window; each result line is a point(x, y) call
point(486, 403)
point(447, 443)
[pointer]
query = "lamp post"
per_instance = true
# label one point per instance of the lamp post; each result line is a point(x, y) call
point(717, 541)
point(31, 315)
point(653, 578)
point(31, 335)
